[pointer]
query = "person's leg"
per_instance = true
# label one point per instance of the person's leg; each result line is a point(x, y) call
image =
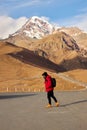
point(49, 100)
point(52, 95)
point(49, 97)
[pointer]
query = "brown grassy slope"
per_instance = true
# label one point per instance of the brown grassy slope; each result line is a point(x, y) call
point(6, 48)
point(14, 72)
point(19, 76)
point(79, 74)
point(21, 41)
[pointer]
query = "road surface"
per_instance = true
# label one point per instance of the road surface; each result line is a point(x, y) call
point(26, 111)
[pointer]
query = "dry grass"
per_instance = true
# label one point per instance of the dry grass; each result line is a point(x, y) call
point(79, 74)
point(17, 76)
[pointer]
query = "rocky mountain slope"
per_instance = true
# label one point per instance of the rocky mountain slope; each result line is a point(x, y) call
point(59, 47)
point(54, 44)
point(36, 27)
point(79, 35)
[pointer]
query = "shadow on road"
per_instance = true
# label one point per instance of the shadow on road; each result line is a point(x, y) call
point(9, 96)
point(77, 102)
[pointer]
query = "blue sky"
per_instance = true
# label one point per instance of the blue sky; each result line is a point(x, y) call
point(61, 12)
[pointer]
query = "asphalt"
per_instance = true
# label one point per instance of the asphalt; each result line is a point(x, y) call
point(26, 111)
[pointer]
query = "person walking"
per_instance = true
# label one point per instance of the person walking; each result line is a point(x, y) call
point(49, 89)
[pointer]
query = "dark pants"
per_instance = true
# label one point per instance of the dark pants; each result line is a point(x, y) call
point(49, 95)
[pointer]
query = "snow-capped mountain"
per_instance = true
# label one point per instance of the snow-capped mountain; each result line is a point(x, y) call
point(36, 27)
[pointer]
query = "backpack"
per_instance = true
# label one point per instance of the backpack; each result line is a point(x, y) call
point(53, 82)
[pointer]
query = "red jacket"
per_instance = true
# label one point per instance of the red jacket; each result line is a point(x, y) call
point(48, 84)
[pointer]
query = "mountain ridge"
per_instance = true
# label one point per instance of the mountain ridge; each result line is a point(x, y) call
point(57, 45)
point(36, 27)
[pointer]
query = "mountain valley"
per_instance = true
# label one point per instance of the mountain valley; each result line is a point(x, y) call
point(37, 47)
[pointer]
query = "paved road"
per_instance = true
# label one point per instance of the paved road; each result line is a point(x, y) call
point(26, 111)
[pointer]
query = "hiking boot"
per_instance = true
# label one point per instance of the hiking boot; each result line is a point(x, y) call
point(48, 106)
point(57, 104)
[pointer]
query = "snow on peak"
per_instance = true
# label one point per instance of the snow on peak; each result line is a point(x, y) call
point(37, 27)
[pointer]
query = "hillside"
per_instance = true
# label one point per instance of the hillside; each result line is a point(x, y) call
point(27, 56)
point(21, 70)
point(59, 48)
point(39, 28)
point(79, 35)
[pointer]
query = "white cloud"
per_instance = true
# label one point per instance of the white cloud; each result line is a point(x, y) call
point(45, 18)
point(79, 21)
point(9, 25)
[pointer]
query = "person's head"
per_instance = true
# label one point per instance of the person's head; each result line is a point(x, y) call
point(44, 74)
